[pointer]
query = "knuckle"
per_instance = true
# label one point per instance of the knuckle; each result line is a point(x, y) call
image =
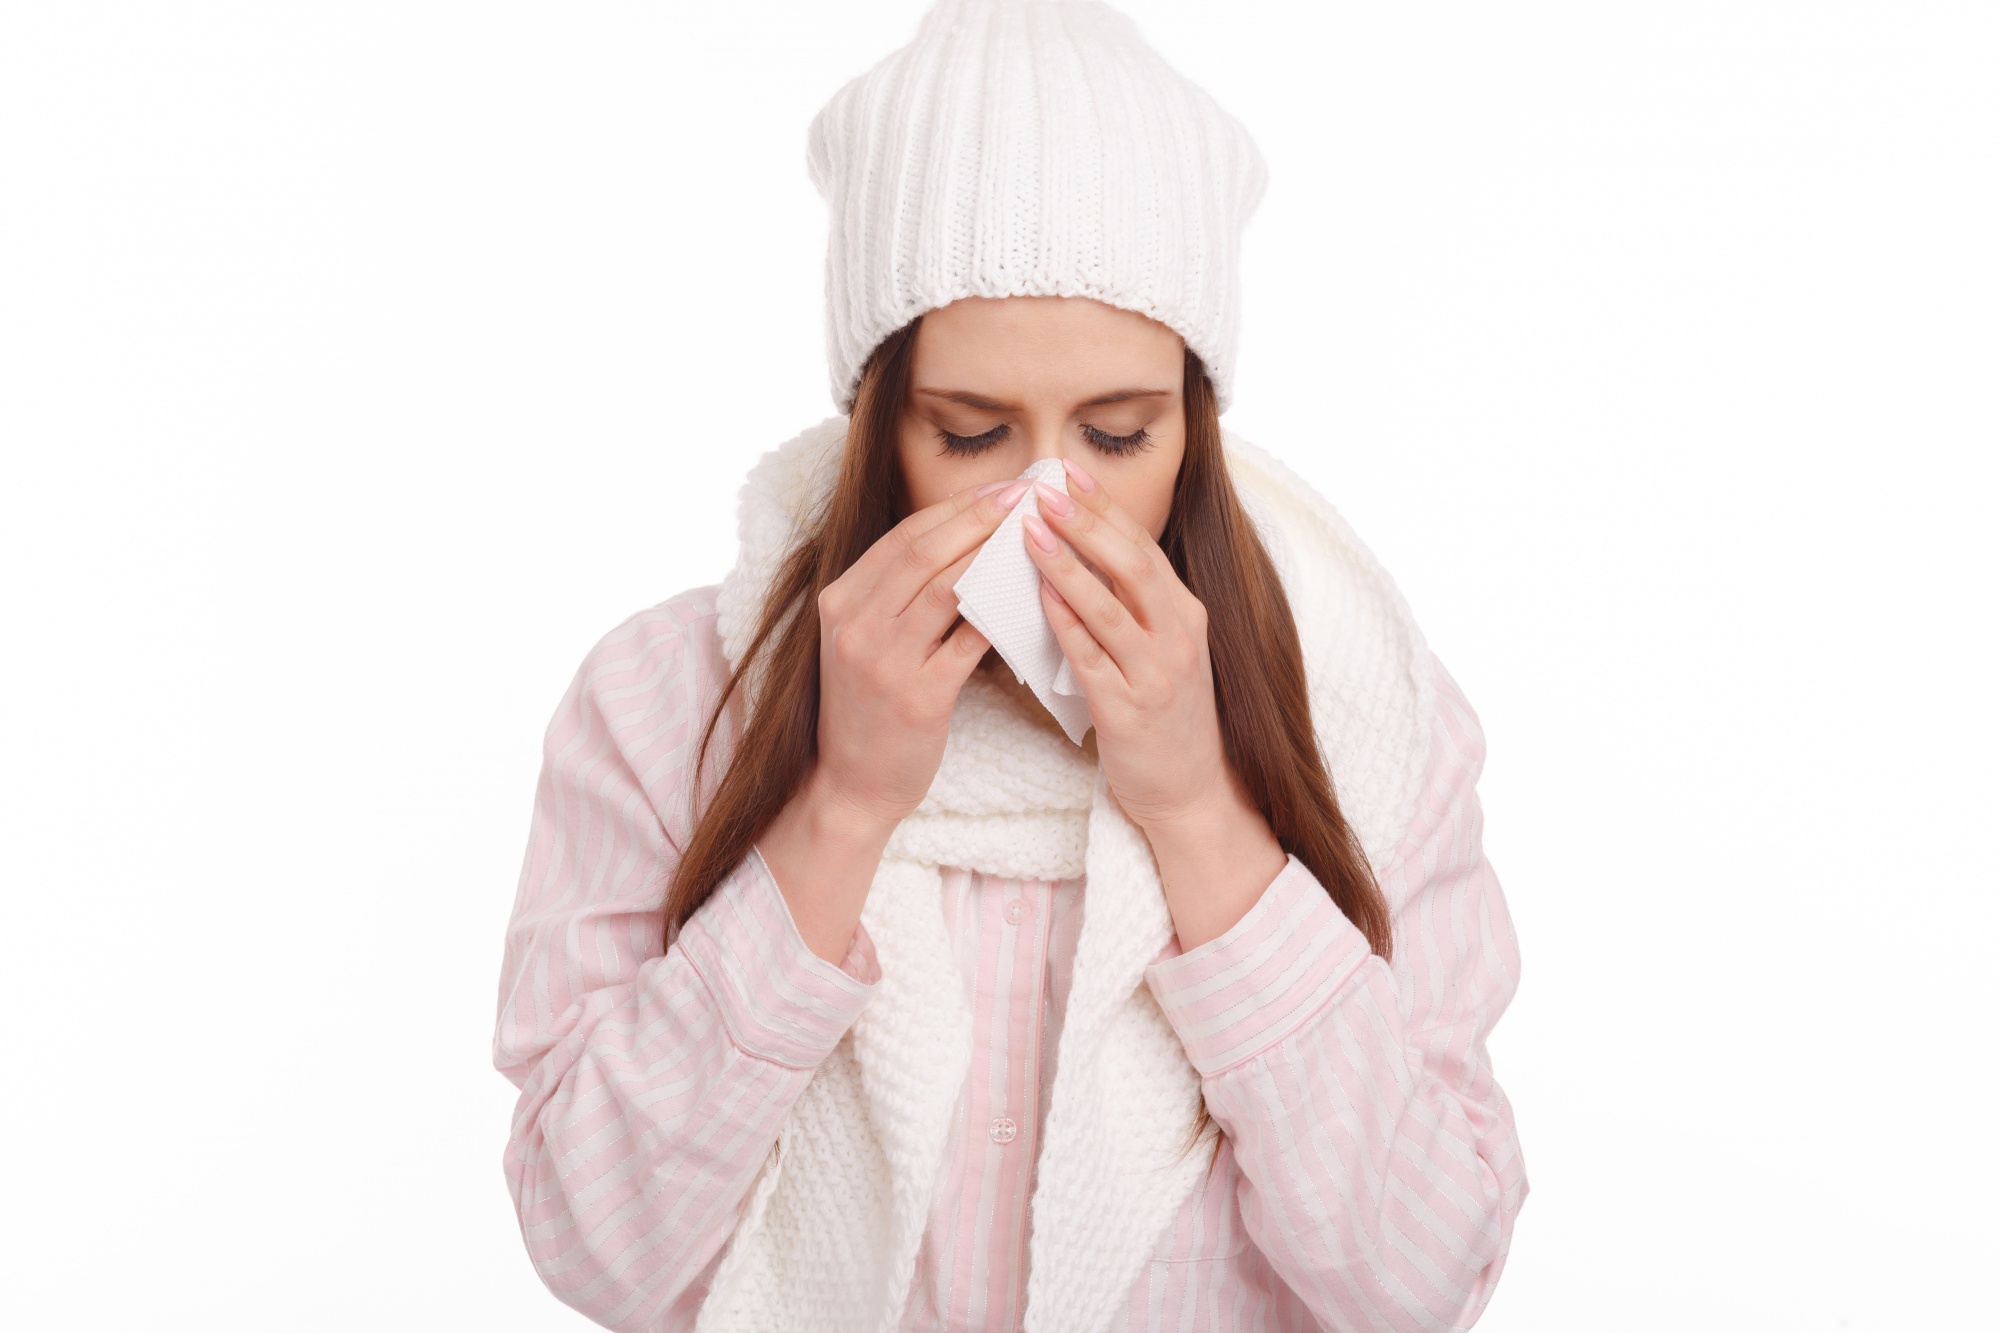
point(917, 553)
point(939, 594)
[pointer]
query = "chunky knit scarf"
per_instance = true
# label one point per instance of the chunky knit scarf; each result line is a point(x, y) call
point(830, 1237)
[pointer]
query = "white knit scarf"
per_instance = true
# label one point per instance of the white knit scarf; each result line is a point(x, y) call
point(830, 1237)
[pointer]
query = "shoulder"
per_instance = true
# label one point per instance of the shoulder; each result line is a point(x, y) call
point(662, 646)
point(646, 689)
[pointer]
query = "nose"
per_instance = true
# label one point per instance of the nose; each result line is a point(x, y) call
point(1045, 439)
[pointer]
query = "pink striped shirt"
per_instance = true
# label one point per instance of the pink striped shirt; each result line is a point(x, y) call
point(1368, 1176)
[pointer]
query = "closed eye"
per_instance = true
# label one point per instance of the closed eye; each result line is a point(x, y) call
point(962, 445)
point(1118, 444)
point(965, 445)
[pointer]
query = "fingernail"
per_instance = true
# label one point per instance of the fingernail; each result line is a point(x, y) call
point(1054, 500)
point(1079, 476)
point(1011, 493)
point(1038, 532)
point(981, 492)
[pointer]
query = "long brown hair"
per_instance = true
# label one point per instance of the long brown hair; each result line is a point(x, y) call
point(1260, 677)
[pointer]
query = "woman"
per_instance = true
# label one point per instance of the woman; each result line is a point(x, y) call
point(845, 988)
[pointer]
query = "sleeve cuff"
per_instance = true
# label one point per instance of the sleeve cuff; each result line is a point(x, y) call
point(1258, 982)
point(781, 1001)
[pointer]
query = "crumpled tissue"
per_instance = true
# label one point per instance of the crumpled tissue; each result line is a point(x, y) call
point(1000, 595)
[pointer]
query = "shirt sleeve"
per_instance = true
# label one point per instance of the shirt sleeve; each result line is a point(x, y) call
point(653, 1082)
point(1381, 1169)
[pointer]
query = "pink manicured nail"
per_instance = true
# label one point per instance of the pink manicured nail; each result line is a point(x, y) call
point(1054, 500)
point(1011, 492)
point(1038, 532)
point(1079, 476)
point(981, 492)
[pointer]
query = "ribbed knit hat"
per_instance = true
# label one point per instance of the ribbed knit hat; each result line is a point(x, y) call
point(1030, 148)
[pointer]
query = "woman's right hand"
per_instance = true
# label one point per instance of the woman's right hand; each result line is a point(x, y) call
point(888, 677)
point(888, 681)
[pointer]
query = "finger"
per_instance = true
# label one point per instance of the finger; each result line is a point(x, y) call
point(914, 561)
point(957, 656)
point(1083, 488)
point(1094, 667)
point(924, 622)
point(893, 546)
point(1140, 572)
point(1107, 618)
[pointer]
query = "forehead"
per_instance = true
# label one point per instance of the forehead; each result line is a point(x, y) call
point(1043, 346)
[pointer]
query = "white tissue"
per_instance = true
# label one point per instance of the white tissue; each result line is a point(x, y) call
point(1000, 595)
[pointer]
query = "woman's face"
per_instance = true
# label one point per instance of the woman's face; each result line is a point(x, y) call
point(997, 384)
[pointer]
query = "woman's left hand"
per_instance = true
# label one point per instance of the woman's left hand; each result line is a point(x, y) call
point(1140, 650)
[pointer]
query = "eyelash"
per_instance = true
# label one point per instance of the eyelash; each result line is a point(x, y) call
point(1114, 445)
point(962, 445)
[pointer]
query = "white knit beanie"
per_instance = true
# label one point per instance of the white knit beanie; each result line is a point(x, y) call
point(1030, 148)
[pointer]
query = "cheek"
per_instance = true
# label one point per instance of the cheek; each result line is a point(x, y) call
point(926, 477)
point(1145, 490)
point(931, 476)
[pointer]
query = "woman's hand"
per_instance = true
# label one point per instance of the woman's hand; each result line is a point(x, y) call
point(1140, 650)
point(888, 678)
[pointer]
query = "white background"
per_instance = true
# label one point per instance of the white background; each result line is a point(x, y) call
point(362, 363)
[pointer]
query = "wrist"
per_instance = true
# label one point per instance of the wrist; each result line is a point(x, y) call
point(1214, 835)
point(1203, 817)
point(833, 820)
point(822, 850)
point(835, 827)
point(1216, 857)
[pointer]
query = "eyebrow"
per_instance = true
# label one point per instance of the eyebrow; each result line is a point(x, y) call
point(971, 399)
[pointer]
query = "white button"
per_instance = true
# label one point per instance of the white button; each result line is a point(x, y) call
point(1001, 1131)
point(1017, 911)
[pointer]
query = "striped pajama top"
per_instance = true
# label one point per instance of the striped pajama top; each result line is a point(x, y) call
point(1368, 1175)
